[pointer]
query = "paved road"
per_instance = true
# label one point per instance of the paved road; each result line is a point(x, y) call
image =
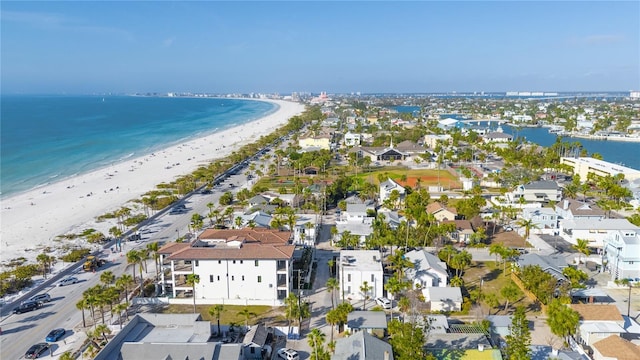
point(23, 330)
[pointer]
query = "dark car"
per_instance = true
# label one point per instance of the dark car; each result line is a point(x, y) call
point(26, 307)
point(55, 335)
point(36, 350)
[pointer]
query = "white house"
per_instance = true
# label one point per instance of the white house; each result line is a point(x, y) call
point(305, 231)
point(443, 298)
point(597, 322)
point(387, 187)
point(358, 266)
point(431, 140)
point(543, 218)
point(234, 266)
point(570, 209)
point(538, 191)
point(428, 270)
point(622, 254)
point(595, 231)
point(352, 139)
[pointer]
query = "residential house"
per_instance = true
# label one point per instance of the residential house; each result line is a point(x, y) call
point(462, 232)
point(570, 209)
point(441, 212)
point(597, 322)
point(594, 231)
point(432, 140)
point(378, 153)
point(553, 264)
point(243, 266)
point(258, 200)
point(542, 218)
point(258, 218)
point(305, 231)
point(500, 328)
point(314, 142)
point(615, 347)
point(393, 218)
point(254, 342)
point(362, 346)
point(541, 191)
point(448, 123)
point(461, 346)
point(168, 336)
point(352, 139)
point(427, 271)
point(411, 148)
point(356, 221)
point(358, 266)
point(388, 187)
point(443, 298)
point(543, 352)
point(497, 137)
point(622, 254)
point(366, 321)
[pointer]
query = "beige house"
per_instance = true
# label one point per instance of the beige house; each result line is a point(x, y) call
point(319, 142)
point(615, 347)
point(598, 322)
point(441, 212)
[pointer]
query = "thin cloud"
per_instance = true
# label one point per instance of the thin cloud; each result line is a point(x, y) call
point(53, 21)
point(596, 39)
point(603, 39)
point(169, 41)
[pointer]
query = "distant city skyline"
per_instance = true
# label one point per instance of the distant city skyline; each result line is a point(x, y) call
point(338, 47)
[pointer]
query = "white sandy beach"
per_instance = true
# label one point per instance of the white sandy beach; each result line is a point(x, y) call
point(31, 221)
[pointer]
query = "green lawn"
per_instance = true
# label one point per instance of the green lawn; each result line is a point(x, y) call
point(230, 313)
point(493, 281)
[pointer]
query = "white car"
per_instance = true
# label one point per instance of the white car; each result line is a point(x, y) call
point(68, 281)
point(384, 302)
point(288, 354)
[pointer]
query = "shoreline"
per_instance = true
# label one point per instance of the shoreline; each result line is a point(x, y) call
point(31, 220)
point(139, 153)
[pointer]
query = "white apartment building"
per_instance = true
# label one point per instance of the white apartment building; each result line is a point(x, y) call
point(234, 266)
point(537, 191)
point(356, 267)
point(622, 254)
point(584, 166)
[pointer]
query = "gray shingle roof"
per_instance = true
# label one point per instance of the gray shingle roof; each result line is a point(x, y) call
point(362, 346)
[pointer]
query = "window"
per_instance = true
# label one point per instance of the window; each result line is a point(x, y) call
point(242, 277)
point(210, 278)
point(348, 277)
point(219, 261)
point(197, 263)
point(218, 277)
point(256, 263)
point(373, 278)
point(232, 277)
point(259, 278)
point(234, 261)
point(241, 261)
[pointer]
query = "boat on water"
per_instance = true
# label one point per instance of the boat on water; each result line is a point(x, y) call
point(559, 130)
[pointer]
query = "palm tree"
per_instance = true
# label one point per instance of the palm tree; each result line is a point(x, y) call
point(511, 293)
point(456, 281)
point(238, 222)
point(333, 318)
point(44, 260)
point(247, 314)
point(192, 280)
point(107, 278)
point(119, 308)
point(123, 283)
point(496, 249)
point(365, 288)
point(103, 330)
point(153, 249)
point(527, 225)
point(67, 355)
point(316, 339)
point(216, 311)
point(332, 286)
point(582, 246)
point(81, 305)
point(132, 259)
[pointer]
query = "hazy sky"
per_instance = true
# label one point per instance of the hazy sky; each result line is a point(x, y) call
point(220, 47)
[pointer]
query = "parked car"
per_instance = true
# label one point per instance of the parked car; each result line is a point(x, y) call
point(26, 307)
point(36, 350)
point(68, 281)
point(288, 354)
point(383, 302)
point(40, 298)
point(508, 228)
point(55, 335)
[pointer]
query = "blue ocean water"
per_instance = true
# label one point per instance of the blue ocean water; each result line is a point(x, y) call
point(48, 138)
point(618, 152)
